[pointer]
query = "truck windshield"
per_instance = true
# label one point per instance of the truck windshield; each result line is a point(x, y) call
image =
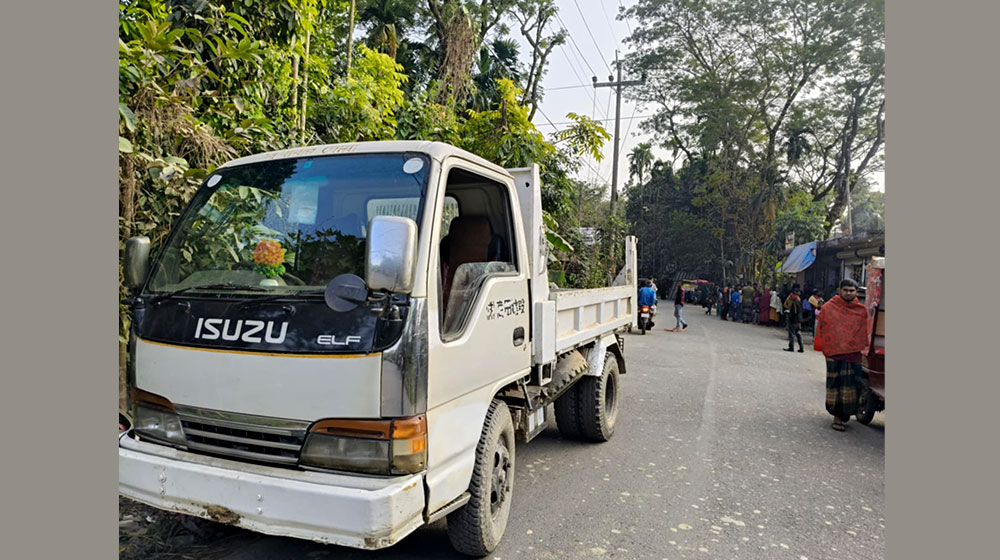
point(287, 224)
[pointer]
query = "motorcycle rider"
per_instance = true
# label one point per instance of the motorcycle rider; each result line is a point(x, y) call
point(647, 297)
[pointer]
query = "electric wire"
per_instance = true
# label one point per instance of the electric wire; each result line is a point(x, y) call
point(591, 33)
point(576, 46)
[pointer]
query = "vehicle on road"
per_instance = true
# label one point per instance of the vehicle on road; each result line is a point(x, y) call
point(645, 318)
point(872, 398)
point(342, 343)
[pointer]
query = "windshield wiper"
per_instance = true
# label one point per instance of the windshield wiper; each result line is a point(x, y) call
point(226, 286)
point(257, 301)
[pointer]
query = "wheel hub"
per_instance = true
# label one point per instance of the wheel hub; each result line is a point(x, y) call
point(501, 478)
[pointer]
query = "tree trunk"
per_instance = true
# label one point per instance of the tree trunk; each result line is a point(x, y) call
point(305, 90)
point(295, 85)
point(350, 41)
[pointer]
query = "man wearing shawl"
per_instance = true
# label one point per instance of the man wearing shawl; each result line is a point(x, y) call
point(842, 333)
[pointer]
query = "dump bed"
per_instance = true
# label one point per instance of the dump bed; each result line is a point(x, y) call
point(565, 319)
point(583, 315)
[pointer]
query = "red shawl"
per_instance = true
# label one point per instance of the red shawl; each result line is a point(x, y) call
point(842, 327)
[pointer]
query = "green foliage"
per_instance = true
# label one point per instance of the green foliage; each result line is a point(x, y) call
point(802, 216)
point(585, 136)
point(504, 134)
point(363, 106)
point(759, 99)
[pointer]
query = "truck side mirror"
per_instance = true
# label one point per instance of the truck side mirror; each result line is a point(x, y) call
point(136, 265)
point(391, 254)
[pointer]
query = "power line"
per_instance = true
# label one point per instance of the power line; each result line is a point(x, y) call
point(585, 162)
point(573, 68)
point(607, 19)
point(585, 24)
point(569, 87)
point(625, 19)
point(608, 119)
point(573, 42)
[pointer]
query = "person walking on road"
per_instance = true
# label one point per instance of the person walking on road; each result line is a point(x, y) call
point(842, 332)
point(793, 305)
point(710, 299)
point(775, 306)
point(679, 307)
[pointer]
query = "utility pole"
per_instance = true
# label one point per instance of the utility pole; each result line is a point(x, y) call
point(618, 85)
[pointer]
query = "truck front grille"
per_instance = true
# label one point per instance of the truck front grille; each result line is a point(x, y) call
point(244, 440)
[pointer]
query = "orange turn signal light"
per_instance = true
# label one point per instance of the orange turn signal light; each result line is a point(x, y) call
point(390, 429)
point(151, 400)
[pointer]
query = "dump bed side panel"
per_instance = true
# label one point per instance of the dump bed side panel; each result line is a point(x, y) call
point(583, 315)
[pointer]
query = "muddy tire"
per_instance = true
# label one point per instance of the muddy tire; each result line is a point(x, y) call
point(588, 411)
point(476, 528)
point(567, 409)
point(598, 397)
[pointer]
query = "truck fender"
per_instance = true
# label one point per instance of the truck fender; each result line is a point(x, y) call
point(603, 345)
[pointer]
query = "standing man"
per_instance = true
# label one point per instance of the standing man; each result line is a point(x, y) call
point(724, 302)
point(842, 329)
point(793, 305)
point(734, 304)
point(679, 306)
point(747, 298)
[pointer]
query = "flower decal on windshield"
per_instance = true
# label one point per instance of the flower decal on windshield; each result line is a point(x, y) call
point(267, 258)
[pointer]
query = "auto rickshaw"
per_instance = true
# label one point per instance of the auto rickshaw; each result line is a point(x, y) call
point(872, 398)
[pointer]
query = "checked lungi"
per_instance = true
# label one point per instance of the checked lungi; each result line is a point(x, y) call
point(843, 386)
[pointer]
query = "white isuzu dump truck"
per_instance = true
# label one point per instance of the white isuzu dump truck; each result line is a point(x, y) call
point(342, 343)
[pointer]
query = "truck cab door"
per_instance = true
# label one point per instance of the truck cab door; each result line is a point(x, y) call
point(478, 315)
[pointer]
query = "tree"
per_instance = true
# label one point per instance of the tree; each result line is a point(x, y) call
point(640, 160)
point(765, 93)
point(388, 20)
point(534, 16)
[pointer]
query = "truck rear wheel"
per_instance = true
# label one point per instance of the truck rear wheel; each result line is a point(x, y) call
point(476, 528)
point(567, 409)
point(599, 402)
point(589, 409)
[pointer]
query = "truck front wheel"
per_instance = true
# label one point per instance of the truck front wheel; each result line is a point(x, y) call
point(476, 528)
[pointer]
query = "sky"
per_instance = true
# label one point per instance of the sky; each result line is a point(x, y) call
point(589, 51)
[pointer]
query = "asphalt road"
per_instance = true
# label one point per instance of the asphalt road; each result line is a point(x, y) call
point(723, 449)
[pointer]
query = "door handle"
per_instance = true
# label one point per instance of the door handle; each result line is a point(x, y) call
point(518, 336)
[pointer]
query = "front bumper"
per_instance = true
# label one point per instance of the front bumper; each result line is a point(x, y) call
point(356, 511)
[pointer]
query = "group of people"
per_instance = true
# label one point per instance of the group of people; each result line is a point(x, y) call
point(747, 303)
point(841, 328)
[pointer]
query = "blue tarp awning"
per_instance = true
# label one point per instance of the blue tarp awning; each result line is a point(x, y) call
point(800, 258)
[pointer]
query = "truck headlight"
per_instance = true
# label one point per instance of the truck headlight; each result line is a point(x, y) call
point(156, 419)
point(392, 446)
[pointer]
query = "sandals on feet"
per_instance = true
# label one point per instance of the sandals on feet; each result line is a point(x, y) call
point(838, 426)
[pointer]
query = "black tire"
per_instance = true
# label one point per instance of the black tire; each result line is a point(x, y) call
point(476, 528)
point(642, 327)
point(867, 404)
point(598, 397)
point(567, 409)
